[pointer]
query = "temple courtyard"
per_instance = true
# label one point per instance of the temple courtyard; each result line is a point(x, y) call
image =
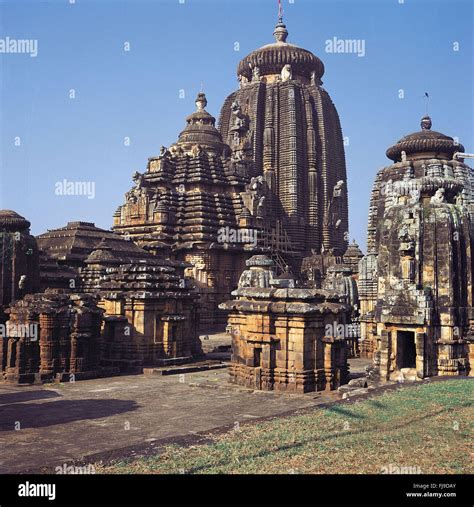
point(419, 428)
point(43, 427)
point(127, 419)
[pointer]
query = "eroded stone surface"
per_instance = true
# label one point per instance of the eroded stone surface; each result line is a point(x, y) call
point(415, 284)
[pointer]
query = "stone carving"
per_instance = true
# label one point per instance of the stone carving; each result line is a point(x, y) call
point(239, 125)
point(260, 206)
point(391, 194)
point(243, 80)
point(415, 195)
point(22, 282)
point(253, 198)
point(155, 165)
point(196, 150)
point(239, 122)
point(138, 190)
point(439, 196)
point(315, 80)
point(256, 75)
point(286, 73)
point(338, 188)
point(333, 211)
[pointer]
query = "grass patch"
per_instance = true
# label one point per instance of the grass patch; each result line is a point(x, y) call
point(427, 426)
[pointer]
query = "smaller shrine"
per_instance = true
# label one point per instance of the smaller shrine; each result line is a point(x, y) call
point(285, 338)
point(52, 336)
point(151, 312)
point(415, 283)
point(19, 269)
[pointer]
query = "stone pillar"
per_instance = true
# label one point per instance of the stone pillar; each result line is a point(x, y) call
point(421, 359)
point(385, 354)
point(48, 326)
point(64, 342)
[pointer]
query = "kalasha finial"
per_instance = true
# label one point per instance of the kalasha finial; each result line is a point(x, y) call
point(426, 123)
point(201, 101)
point(280, 33)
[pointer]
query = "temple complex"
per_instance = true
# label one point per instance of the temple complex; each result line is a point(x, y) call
point(271, 180)
point(415, 283)
point(246, 224)
point(107, 305)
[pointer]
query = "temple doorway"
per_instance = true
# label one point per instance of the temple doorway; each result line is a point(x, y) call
point(257, 357)
point(406, 350)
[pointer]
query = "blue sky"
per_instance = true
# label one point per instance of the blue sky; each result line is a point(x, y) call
point(175, 46)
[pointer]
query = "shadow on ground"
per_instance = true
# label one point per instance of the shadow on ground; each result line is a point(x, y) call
point(38, 415)
point(19, 397)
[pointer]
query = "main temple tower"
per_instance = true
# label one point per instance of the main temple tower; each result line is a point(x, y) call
point(283, 125)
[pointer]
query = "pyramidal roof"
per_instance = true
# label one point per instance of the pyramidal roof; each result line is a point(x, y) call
point(75, 242)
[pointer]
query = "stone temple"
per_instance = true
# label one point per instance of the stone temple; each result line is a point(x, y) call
point(271, 180)
point(243, 226)
point(279, 333)
point(282, 125)
point(415, 283)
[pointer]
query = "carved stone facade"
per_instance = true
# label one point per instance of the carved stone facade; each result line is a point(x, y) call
point(147, 307)
point(188, 204)
point(342, 280)
point(151, 314)
point(51, 336)
point(19, 265)
point(415, 284)
point(63, 252)
point(279, 339)
point(282, 122)
point(271, 180)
